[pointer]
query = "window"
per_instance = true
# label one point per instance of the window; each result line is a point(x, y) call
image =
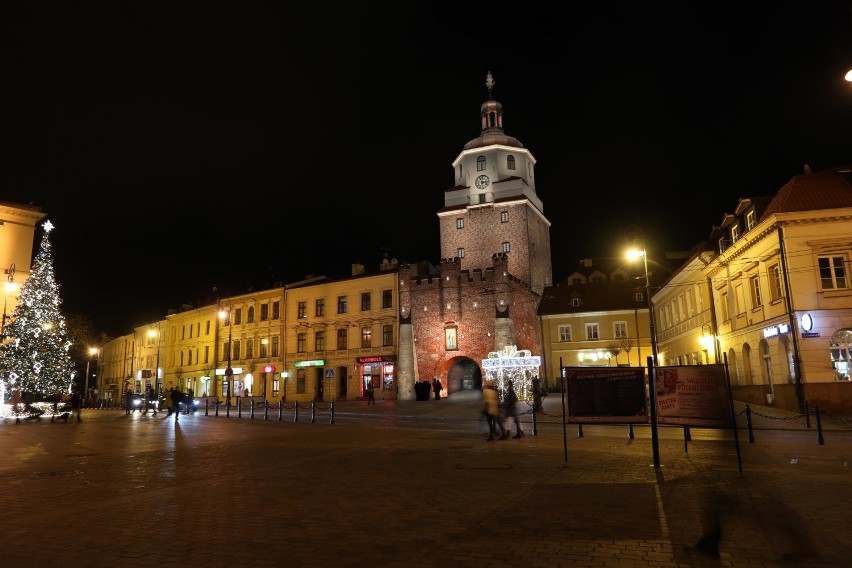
point(342, 337)
point(264, 312)
point(775, 283)
point(506, 247)
point(341, 304)
point(319, 307)
point(751, 220)
point(249, 348)
point(319, 341)
point(735, 233)
point(276, 310)
point(366, 337)
point(597, 279)
point(387, 299)
point(675, 313)
point(251, 315)
point(238, 316)
point(564, 333)
point(726, 315)
point(451, 338)
point(690, 302)
point(575, 302)
point(740, 298)
point(236, 354)
point(460, 223)
point(754, 284)
point(206, 354)
point(387, 335)
point(301, 341)
point(225, 355)
point(300, 381)
point(264, 348)
point(832, 273)
point(302, 310)
point(510, 162)
point(592, 332)
point(504, 216)
point(366, 301)
point(275, 346)
point(460, 253)
point(480, 163)
point(619, 330)
point(207, 328)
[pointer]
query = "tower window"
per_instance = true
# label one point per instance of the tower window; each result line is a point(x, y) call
point(504, 216)
point(506, 247)
point(480, 163)
point(510, 162)
point(460, 253)
point(460, 223)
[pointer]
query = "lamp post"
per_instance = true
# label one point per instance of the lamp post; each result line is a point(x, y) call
point(156, 389)
point(652, 383)
point(229, 372)
point(708, 340)
point(10, 287)
point(92, 351)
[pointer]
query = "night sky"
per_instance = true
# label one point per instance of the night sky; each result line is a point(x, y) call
point(180, 147)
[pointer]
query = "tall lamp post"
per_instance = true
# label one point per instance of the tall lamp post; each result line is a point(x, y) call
point(156, 389)
point(229, 372)
point(652, 383)
point(92, 351)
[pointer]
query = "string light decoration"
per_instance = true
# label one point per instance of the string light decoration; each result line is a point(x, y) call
point(510, 364)
point(34, 354)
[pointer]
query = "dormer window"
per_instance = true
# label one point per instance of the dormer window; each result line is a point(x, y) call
point(735, 233)
point(575, 302)
point(510, 162)
point(751, 220)
point(480, 164)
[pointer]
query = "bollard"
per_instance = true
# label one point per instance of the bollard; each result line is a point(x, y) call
point(217, 407)
point(630, 431)
point(239, 407)
point(280, 410)
point(296, 412)
point(331, 409)
point(580, 430)
point(266, 410)
point(820, 439)
point(807, 416)
point(251, 409)
point(748, 425)
point(313, 412)
point(228, 408)
point(534, 423)
point(687, 434)
point(207, 407)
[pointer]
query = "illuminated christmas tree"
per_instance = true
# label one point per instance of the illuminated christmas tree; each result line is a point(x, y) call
point(34, 355)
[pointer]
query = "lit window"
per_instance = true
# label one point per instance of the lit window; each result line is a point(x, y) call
point(504, 216)
point(756, 302)
point(460, 253)
point(460, 223)
point(506, 247)
point(619, 329)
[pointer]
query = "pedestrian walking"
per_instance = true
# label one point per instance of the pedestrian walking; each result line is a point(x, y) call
point(508, 409)
point(437, 387)
point(168, 401)
point(371, 393)
point(490, 402)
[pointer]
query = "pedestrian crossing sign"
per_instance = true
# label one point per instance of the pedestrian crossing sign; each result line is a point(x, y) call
point(329, 373)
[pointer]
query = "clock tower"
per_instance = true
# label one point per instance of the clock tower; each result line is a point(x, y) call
point(495, 264)
point(493, 207)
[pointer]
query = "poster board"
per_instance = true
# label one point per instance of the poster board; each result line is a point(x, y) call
point(606, 394)
point(694, 395)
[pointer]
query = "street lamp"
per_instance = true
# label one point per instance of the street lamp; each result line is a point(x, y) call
point(229, 372)
point(92, 351)
point(157, 384)
point(633, 254)
point(708, 340)
point(10, 287)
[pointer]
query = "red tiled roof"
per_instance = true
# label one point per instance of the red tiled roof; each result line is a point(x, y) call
point(829, 189)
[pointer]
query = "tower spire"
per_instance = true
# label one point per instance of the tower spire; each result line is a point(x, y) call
point(489, 84)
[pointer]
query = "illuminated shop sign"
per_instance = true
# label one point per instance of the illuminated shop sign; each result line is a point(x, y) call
point(269, 369)
point(376, 359)
point(775, 330)
point(237, 371)
point(310, 363)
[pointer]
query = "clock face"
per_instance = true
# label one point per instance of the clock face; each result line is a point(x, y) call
point(482, 182)
point(807, 322)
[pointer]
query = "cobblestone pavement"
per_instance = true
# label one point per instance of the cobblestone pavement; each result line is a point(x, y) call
point(415, 484)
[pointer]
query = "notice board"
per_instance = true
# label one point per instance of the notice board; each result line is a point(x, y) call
point(606, 394)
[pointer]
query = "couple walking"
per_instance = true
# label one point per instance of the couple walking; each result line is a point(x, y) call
point(498, 412)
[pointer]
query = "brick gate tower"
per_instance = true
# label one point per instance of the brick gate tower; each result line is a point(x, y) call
point(495, 251)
